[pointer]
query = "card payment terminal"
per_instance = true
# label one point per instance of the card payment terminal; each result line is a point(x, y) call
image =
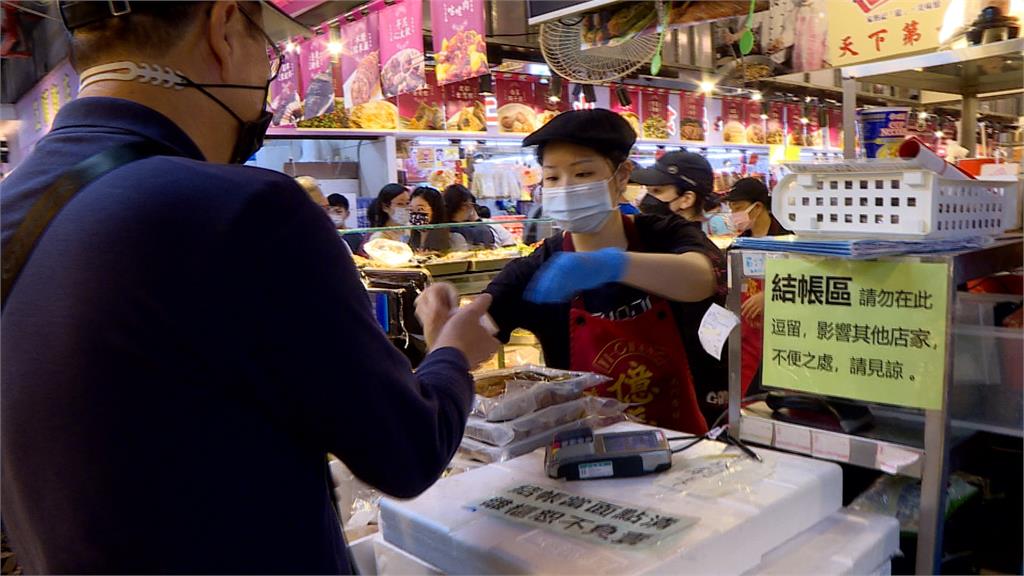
point(581, 454)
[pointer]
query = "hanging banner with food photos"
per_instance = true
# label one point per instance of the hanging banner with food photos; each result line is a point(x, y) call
point(797, 129)
point(629, 111)
point(835, 127)
point(544, 107)
point(515, 98)
point(422, 109)
point(691, 123)
point(734, 115)
point(813, 137)
point(460, 49)
point(286, 92)
point(464, 107)
point(655, 120)
point(315, 73)
point(401, 49)
point(776, 126)
point(360, 61)
point(755, 124)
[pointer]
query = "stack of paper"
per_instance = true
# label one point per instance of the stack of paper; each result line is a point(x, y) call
point(859, 248)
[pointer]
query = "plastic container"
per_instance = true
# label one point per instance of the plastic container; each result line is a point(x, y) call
point(882, 131)
point(884, 199)
point(844, 543)
point(443, 528)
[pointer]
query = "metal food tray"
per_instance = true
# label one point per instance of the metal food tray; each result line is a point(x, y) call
point(489, 265)
point(446, 268)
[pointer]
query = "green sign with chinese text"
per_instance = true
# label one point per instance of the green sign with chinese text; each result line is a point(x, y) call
point(873, 331)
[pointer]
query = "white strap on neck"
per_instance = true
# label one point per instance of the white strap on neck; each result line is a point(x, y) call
point(128, 71)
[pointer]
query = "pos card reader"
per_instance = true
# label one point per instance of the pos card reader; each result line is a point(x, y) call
point(580, 454)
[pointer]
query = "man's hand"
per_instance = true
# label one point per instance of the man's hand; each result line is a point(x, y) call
point(753, 309)
point(434, 307)
point(471, 331)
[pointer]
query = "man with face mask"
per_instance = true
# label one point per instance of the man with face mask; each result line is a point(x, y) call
point(173, 321)
point(750, 215)
point(679, 183)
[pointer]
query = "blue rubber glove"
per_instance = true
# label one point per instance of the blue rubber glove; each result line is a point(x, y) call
point(568, 273)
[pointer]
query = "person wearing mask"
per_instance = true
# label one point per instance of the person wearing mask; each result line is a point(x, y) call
point(426, 206)
point(462, 208)
point(160, 414)
point(615, 294)
point(750, 215)
point(338, 210)
point(679, 183)
point(390, 208)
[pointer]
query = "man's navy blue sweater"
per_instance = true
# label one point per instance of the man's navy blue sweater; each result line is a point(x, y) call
point(185, 345)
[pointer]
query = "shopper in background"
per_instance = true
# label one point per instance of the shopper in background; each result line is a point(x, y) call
point(426, 206)
point(616, 294)
point(461, 205)
point(390, 208)
point(171, 347)
point(312, 189)
point(338, 210)
point(751, 215)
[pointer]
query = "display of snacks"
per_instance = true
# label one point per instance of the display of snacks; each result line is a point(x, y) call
point(691, 124)
point(375, 115)
point(512, 392)
point(339, 118)
point(428, 116)
point(388, 252)
point(422, 109)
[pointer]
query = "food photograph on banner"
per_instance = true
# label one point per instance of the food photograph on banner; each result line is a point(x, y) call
point(658, 119)
point(459, 46)
point(464, 106)
point(401, 48)
point(515, 103)
point(423, 108)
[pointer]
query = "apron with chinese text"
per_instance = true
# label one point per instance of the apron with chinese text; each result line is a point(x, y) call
point(643, 355)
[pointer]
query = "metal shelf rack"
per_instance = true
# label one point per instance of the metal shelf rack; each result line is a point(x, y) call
point(971, 72)
point(915, 443)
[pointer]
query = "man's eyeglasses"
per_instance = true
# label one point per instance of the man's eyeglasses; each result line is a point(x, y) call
point(274, 54)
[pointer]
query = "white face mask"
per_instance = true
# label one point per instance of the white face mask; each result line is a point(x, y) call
point(337, 219)
point(400, 215)
point(582, 208)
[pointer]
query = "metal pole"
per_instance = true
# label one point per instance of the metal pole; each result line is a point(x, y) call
point(849, 118)
point(735, 343)
point(935, 469)
point(969, 125)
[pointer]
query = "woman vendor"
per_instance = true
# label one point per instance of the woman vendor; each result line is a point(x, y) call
point(615, 294)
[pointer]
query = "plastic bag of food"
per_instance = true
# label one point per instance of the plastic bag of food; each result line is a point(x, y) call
point(534, 423)
point(510, 393)
point(483, 452)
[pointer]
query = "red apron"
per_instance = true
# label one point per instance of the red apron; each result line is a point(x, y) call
point(751, 336)
point(643, 355)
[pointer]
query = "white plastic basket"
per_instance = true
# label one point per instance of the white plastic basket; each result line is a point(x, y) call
point(886, 200)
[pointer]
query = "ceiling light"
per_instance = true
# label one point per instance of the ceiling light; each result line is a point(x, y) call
point(756, 96)
point(707, 86)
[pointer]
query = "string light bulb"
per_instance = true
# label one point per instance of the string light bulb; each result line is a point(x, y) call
point(707, 86)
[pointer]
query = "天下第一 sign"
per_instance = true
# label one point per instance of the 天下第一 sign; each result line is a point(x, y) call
point(873, 331)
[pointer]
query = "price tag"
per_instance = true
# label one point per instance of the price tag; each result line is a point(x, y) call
point(830, 446)
point(753, 265)
point(792, 438)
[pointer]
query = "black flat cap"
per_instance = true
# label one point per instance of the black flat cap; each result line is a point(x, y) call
point(689, 171)
point(601, 130)
point(748, 190)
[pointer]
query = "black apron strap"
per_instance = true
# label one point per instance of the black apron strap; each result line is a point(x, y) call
point(19, 248)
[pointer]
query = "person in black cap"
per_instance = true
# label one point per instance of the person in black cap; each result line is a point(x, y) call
point(750, 210)
point(750, 215)
point(679, 183)
point(611, 293)
point(160, 414)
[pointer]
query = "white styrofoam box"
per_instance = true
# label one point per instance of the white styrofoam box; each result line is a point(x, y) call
point(442, 528)
point(844, 543)
point(392, 560)
point(880, 200)
point(363, 553)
